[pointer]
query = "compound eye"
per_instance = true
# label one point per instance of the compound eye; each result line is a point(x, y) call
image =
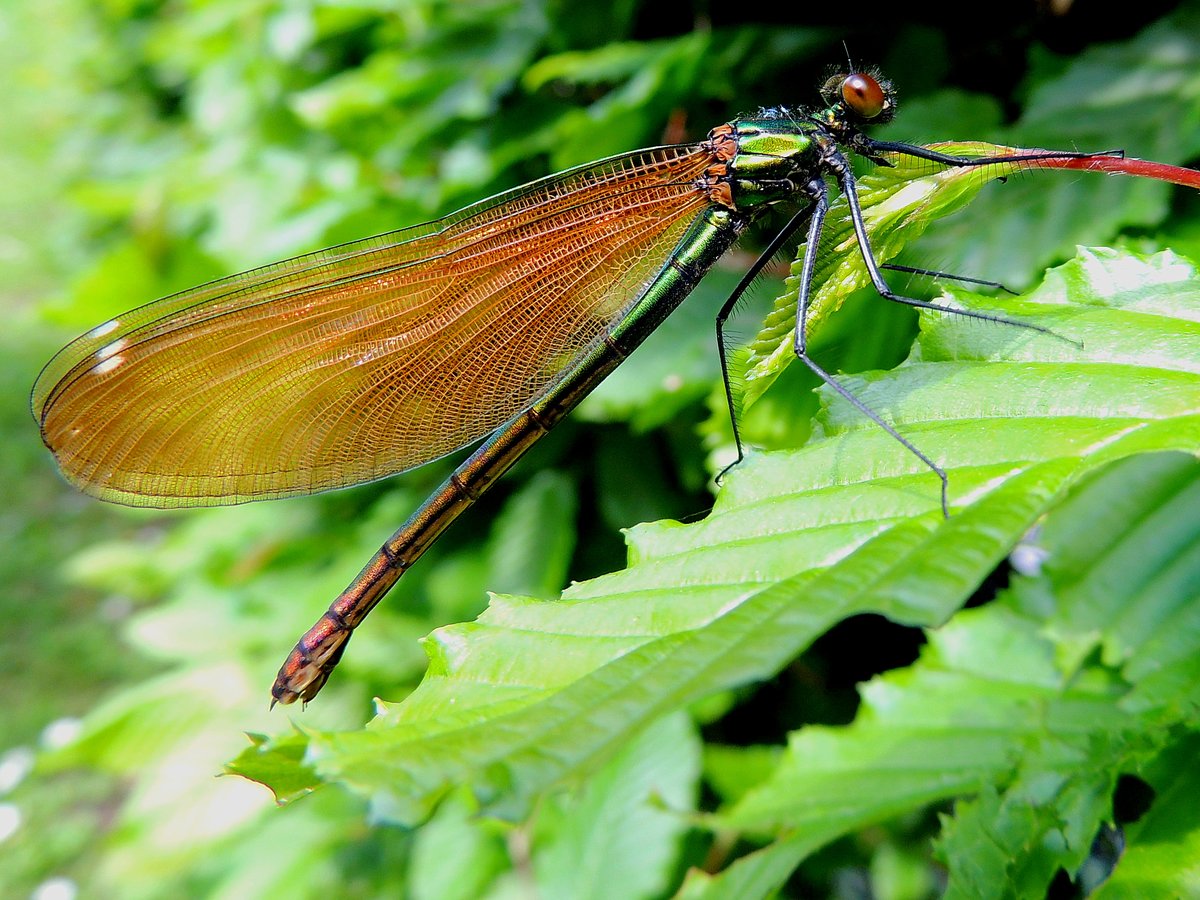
point(863, 95)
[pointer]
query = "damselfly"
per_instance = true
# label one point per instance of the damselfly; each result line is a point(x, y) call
point(368, 359)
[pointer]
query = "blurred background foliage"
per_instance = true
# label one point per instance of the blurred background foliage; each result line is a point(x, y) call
point(147, 146)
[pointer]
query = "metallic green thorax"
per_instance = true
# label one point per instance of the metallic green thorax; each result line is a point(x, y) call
point(776, 158)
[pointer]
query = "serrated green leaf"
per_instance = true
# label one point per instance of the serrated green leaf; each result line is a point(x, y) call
point(982, 839)
point(283, 767)
point(1110, 596)
point(944, 727)
point(534, 692)
point(1124, 563)
point(994, 697)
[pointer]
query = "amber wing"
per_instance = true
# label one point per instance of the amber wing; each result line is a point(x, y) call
point(354, 363)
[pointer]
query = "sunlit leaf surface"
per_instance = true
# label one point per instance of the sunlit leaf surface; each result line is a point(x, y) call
point(534, 691)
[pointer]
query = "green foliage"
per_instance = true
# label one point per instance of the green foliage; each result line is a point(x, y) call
point(798, 541)
point(712, 709)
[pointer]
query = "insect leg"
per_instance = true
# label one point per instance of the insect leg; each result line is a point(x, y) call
point(764, 258)
point(846, 179)
point(947, 276)
point(819, 191)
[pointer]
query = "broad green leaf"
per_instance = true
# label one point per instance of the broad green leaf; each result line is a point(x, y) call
point(943, 727)
point(1000, 706)
point(1104, 586)
point(283, 768)
point(1011, 847)
point(534, 692)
